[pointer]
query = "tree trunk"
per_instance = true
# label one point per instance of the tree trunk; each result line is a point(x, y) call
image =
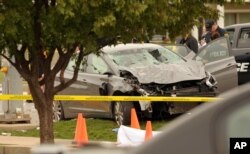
point(43, 104)
point(45, 114)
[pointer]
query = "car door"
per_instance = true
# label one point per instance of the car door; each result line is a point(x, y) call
point(241, 50)
point(90, 78)
point(220, 62)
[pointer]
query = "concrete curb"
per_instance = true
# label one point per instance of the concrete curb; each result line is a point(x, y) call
point(18, 126)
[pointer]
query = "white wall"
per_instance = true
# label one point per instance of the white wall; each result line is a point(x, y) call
point(220, 22)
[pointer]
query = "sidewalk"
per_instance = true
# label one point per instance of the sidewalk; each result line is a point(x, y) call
point(22, 145)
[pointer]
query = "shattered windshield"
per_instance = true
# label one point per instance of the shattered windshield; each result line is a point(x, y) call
point(137, 57)
point(167, 56)
point(144, 57)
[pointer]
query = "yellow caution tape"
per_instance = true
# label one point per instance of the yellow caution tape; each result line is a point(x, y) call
point(114, 98)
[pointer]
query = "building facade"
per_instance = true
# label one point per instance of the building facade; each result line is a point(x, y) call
point(236, 13)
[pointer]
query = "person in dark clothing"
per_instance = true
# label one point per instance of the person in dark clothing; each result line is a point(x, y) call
point(190, 42)
point(215, 35)
point(212, 28)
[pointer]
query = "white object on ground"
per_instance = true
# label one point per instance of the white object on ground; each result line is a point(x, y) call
point(131, 137)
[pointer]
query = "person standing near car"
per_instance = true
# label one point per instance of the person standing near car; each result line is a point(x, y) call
point(190, 42)
point(212, 29)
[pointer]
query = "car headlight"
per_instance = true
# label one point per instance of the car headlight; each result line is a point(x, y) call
point(210, 80)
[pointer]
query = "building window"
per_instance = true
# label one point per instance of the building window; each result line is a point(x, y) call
point(230, 19)
point(236, 18)
point(244, 17)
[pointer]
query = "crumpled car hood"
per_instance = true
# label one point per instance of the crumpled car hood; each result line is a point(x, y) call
point(168, 73)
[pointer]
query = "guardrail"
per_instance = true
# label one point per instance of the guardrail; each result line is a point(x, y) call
point(114, 98)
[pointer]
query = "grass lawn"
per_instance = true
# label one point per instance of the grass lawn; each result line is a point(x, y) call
point(98, 129)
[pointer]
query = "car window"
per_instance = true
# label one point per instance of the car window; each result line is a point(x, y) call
point(216, 50)
point(230, 33)
point(181, 50)
point(96, 65)
point(72, 64)
point(170, 56)
point(244, 38)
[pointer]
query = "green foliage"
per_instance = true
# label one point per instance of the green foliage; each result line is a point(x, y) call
point(84, 21)
point(98, 129)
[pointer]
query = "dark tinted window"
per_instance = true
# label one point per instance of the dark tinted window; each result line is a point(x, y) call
point(244, 38)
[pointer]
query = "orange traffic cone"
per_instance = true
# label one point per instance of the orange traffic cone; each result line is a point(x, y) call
point(78, 125)
point(81, 135)
point(148, 134)
point(134, 120)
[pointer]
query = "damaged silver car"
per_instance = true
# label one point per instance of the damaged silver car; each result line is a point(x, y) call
point(219, 60)
point(134, 70)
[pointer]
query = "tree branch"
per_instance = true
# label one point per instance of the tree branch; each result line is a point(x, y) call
point(22, 64)
point(63, 84)
point(63, 58)
point(48, 60)
point(62, 61)
point(8, 59)
point(53, 3)
point(64, 66)
point(46, 4)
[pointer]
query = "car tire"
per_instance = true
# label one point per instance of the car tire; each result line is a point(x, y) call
point(122, 112)
point(58, 112)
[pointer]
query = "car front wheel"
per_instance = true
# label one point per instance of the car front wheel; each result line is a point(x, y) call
point(57, 111)
point(122, 112)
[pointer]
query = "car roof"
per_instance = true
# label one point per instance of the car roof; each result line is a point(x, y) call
point(238, 25)
point(120, 47)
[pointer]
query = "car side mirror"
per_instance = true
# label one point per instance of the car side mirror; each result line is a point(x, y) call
point(104, 90)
